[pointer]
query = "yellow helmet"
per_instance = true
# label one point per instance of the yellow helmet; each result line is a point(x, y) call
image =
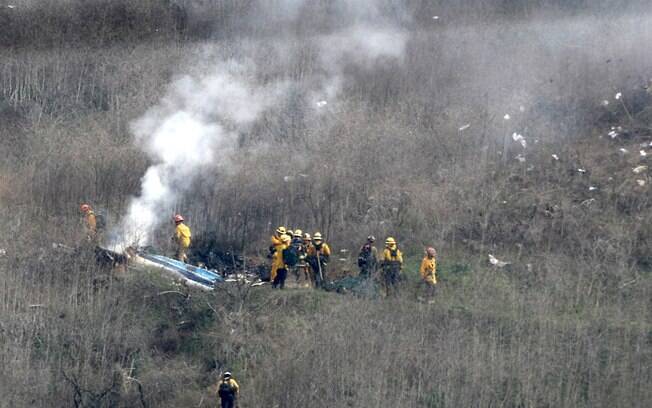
point(286, 238)
point(317, 236)
point(280, 230)
point(298, 233)
point(390, 241)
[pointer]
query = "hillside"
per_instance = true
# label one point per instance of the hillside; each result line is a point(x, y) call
point(509, 128)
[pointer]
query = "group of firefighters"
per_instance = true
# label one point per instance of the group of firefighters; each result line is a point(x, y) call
point(307, 256)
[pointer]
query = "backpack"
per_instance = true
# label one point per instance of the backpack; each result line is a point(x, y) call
point(100, 221)
point(291, 255)
point(364, 255)
point(225, 390)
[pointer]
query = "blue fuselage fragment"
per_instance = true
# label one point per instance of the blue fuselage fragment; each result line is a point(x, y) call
point(190, 272)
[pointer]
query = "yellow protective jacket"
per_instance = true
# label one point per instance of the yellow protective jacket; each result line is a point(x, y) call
point(91, 221)
point(233, 384)
point(388, 257)
point(428, 270)
point(324, 250)
point(182, 235)
point(277, 257)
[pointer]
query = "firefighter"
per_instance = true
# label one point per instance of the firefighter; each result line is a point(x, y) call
point(279, 263)
point(428, 270)
point(392, 266)
point(90, 223)
point(318, 255)
point(181, 237)
point(368, 258)
point(297, 243)
point(275, 250)
point(228, 390)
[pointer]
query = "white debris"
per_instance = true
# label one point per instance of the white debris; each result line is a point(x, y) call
point(303, 175)
point(521, 108)
point(639, 169)
point(588, 202)
point(342, 259)
point(288, 178)
point(435, 17)
point(613, 134)
point(11, 6)
point(507, 117)
point(504, 202)
point(605, 103)
point(618, 95)
point(554, 156)
point(643, 153)
point(497, 262)
point(344, 250)
point(581, 171)
point(463, 128)
point(258, 284)
point(321, 104)
point(623, 150)
point(3, 252)
point(640, 182)
point(520, 158)
point(519, 138)
point(592, 188)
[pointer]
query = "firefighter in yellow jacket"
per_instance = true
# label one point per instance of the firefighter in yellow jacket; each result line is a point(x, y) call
point(90, 223)
point(392, 266)
point(318, 255)
point(228, 390)
point(276, 251)
point(279, 266)
point(181, 237)
point(428, 269)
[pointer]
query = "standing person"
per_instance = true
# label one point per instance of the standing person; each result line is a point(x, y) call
point(297, 243)
point(275, 250)
point(90, 223)
point(428, 270)
point(181, 237)
point(392, 265)
point(368, 258)
point(279, 263)
point(228, 390)
point(318, 256)
point(303, 262)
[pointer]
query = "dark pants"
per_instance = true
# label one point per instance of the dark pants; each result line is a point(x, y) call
point(228, 402)
point(279, 281)
point(391, 278)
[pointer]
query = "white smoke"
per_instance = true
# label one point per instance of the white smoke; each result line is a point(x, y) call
point(193, 128)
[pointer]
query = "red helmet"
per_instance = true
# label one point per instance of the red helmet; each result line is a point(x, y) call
point(85, 208)
point(178, 218)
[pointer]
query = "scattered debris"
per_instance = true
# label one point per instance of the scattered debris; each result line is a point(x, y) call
point(640, 182)
point(605, 103)
point(435, 17)
point(321, 104)
point(303, 175)
point(519, 138)
point(643, 153)
point(507, 117)
point(623, 150)
point(261, 283)
point(554, 156)
point(592, 188)
point(3, 252)
point(618, 96)
point(588, 202)
point(496, 262)
point(463, 128)
point(288, 178)
point(521, 108)
point(580, 170)
point(639, 169)
point(520, 158)
point(613, 134)
point(11, 6)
